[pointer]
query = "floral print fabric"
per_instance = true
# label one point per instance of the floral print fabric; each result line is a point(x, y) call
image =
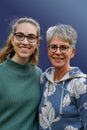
point(64, 104)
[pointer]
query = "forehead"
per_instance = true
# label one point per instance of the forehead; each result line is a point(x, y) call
point(59, 41)
point(26, 28)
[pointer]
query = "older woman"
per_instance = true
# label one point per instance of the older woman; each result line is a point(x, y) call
point(64, 88)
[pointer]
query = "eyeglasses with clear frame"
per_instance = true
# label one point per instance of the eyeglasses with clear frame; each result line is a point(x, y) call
point(63, 48)
point(30, 38)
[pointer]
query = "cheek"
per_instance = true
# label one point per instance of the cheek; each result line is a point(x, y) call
point(36, 45)
point(16, 49)
point(50, 55)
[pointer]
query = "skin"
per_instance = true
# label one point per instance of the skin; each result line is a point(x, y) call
point(60, 61)
point(24, 49)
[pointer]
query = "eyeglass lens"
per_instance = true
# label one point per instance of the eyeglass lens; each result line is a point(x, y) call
point(30, 37)
point(62, 48)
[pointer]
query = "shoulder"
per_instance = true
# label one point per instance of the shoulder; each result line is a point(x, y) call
point(38, 69)
point(3, 70)
point(2, 65)
point(77, 86)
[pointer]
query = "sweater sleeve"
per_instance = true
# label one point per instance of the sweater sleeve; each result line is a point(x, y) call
point(82, 101)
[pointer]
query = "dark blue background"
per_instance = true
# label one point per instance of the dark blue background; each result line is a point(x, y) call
point(48, 13)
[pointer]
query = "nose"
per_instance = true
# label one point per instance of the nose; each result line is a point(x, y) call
point(25, 41)
point(58, 51)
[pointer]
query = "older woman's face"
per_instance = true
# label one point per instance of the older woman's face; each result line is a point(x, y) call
point(24, 47)
point(60, 53)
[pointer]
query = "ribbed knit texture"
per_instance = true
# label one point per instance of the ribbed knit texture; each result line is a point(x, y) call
point(19, 96)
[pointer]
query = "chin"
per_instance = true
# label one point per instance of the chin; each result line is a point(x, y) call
point(57, 66)
point(24, 57)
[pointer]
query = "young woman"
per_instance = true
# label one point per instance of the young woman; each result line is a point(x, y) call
point(20, 77)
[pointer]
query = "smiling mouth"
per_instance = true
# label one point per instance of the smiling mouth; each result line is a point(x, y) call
point(24, 47)
point(59, 58)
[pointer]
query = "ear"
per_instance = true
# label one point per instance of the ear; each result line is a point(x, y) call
point(47, 49)
point(73, 52)
point(38, 44)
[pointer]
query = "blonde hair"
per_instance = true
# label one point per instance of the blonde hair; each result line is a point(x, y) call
point(8, 49)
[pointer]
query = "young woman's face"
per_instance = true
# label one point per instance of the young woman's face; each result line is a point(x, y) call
point(64, 52)
point(25, 42)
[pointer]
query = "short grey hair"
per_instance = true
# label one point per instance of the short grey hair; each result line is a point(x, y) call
point(65, 32)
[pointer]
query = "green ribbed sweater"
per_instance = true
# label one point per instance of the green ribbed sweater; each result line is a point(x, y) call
point(19, 96)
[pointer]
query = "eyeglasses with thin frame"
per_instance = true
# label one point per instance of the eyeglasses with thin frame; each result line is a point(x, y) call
point(30, 38)
point(63, 48)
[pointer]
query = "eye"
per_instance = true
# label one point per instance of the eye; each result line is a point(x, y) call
point(53, 46)
point(63, 47)
point(20, 35)
point(32, 36)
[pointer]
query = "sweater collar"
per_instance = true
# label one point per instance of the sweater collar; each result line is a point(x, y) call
point(16, 66)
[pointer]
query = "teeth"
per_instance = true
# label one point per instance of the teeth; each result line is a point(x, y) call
point(26, 47)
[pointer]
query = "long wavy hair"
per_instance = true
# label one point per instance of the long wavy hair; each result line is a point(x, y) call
point(9, 49)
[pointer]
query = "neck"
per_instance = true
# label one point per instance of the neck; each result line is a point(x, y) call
point(19, 60)
point(60, 72)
